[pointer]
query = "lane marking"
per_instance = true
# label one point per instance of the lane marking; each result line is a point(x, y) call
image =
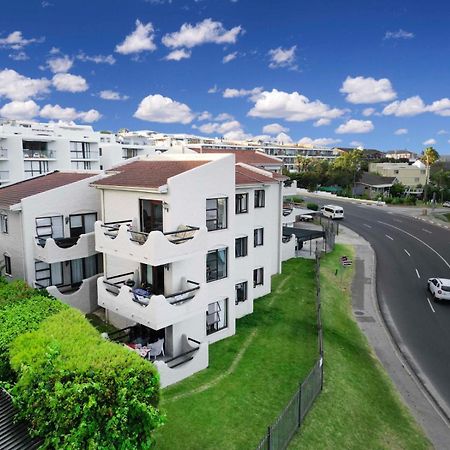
point(389, 237)
point(406, 251)
point(417, 239)
point(431, 306)
point(418, 275)
point(426, 231)
point(368, 226)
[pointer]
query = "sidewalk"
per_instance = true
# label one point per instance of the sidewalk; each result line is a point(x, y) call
point(367, 313)
point(424, 214)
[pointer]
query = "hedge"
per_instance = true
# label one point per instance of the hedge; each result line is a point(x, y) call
point(312, 206)
point(80, 391)
point(15, 291)
point(17, 317)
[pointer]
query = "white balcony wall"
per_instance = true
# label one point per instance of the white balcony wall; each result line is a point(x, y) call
point(288, 249)
point(290, 190)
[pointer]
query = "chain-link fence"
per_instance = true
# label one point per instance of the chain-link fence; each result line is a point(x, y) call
point(280, 433)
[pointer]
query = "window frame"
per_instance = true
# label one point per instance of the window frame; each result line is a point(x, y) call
point(4, 223)
point(256, 272)
point(8, 264)
point(240, 199)
point(260, 198)
point(245, 286)
point(210, 278)
point(242, 245)
point(210, 328)
point(224, 225)
point(258, 237)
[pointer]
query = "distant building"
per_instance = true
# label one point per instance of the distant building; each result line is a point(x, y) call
point(368, 153)
point(373, 185)
point(410, 175)
point(401, 154)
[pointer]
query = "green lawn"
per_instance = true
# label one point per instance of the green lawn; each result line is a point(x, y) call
point(359, 407)
point(251, 375)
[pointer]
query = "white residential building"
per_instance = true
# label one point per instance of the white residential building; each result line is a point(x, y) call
point(47, 235)
point(189, 242)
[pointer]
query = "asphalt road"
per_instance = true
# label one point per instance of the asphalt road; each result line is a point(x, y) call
point(408, 252)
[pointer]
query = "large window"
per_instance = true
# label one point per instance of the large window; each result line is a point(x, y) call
point(129, 153)
point(241, 203)
point(81, 165)
point(4, 223)
point(258, 235)
point(82, 224)
point(216, 264)
point(48, 274)
point(80, 150)
point(216, 213)
point(33, 168)
point(260, 198)
point(241, 292)
point(7, 262)
point(240, 247)
point(258, 276)
point(216, 316)
point(49, 227)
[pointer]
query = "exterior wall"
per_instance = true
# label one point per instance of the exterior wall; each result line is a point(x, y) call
point(409, 175)
point(11, 244)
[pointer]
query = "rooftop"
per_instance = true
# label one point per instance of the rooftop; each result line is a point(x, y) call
point(373, 179)
point(248, 176)
point(251, 157)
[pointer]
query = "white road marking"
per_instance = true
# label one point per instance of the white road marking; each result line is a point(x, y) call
point(427, 231)
point(368, 226)
point(431, 306)
point(418, 275)
point(406, 251)
point(417, 239)
point(389, 237)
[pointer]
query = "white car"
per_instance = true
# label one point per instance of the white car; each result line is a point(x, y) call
point(332, 211)
point(446, 204)
point(439, 288)
point(306, 217)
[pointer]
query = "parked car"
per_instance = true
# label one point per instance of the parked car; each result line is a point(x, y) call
point(446, 204)
point(332, 211)
point(439, 288)
point(306, 217)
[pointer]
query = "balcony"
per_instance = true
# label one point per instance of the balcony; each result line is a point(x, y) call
point(153, 311)
point(3, 154)
point(289, 213)
point(40, 155)
point(155, 248)
point(288, 245)
point(53, 250)
point(4, 176)
point(87, 156)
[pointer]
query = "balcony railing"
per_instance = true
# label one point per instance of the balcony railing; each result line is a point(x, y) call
point(79, 156)
point(3, 153)
point(38, 154)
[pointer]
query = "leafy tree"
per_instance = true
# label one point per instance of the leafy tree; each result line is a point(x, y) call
point(397, 190)
point(429, 157)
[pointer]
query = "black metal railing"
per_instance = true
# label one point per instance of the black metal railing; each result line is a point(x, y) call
point(186, 292)
point(184, 357)
point(114, 286)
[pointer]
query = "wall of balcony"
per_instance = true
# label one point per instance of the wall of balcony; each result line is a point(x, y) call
point(290, 190)
point(154, 249)
point(51, 250)
point(288, 248)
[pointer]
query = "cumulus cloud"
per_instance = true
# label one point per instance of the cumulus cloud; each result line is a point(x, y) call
point(429, 142)
point(318, 141)
point(19, 56)
point(292, 107)
point(413, 106)
point(205, 32)
point(357, 144)
point(401, 131)
point(56, 112)
point(220, 128)
point(274, 128)
point(177, 55)
point(400, 34)
point(367, 90)
point(283, 138)
point(156, 108)
point(222, 117)
point(69, 83)
point(229, 57)
point(368, 112)
point(355, 126)
point(282, 57)
point(18, 87)
point(140, 40)
point(112, 95)
point(321, 122)
point(16, 41)
point(213, 90)
point(60, 64)
point(19, 110)
point(234, 93)
point(440, 132)
point(205, 115)
point(97, 59)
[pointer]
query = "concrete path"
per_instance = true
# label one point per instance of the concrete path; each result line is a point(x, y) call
point(373, 324)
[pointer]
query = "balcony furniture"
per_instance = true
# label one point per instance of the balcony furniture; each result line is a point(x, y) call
point(141, 296)
point(156, 349)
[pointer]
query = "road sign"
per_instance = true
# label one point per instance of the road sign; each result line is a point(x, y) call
point(347, 262)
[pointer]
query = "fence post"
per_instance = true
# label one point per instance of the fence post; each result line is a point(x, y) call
point(269, 438)
point(299, 405)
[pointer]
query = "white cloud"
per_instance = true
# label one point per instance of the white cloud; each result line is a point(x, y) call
point(440, 132)
point(283, 138)
point(97, 59)
point(207, 31)
point(60, 64)
point(18, 87)
point(355, 126)
point(205, 115)
point(282, 57)
point(400, 34)
point(220, 128)
point(56, 112)
point(367, 90)
point(322, 122)
point(177, 55)
point(440, 107)
point(357, 144)
point(401, 131)
point(274, 128)
point(429, 142)
point(318, 141)
point(141, 39)
point(19, 56)
point(229, 57)
point(16, 41)
point(112, 95)
point(156, 108)
point(368, 112)
point(234, 93)
point(222, 117)
point(213, 90)
point(413, 106)
point(69, 83)
point(19, 110)
point(292, 107)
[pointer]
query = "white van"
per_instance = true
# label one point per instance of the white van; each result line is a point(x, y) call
point(332, 211)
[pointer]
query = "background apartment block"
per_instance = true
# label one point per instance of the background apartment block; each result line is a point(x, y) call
point(410, 175)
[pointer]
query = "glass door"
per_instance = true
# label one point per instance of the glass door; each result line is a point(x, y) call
point(151, 215)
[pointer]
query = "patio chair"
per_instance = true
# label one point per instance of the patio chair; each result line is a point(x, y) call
point(156, 349)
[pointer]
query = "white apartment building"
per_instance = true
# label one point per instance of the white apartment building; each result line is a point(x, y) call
point(47, 235)
point(410, 175)
point(189, 242)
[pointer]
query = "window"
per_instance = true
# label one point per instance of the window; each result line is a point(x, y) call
point(216, 213)
point(49, 227)
point(240, 247)
point(216, 316)
point(48, 274)
point(7, 260)
point(100, 151)
point(241, 203)
point(129, 153)
point(81, 165)
point(396, 172)
point(216, 264)
point(82, 224)
point(80, 150)
point(3, 223)
point(260, 198)
point(32, 168)
point(258, 235)
point(416, 179)
point(258, 277)
point(241, 292)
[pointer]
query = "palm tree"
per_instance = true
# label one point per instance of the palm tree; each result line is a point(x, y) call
point(429, 157)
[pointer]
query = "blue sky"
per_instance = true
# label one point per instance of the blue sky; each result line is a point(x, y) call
point(374, 73)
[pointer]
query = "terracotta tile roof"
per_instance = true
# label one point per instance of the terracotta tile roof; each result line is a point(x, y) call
point(279, 176)
point(14, 193)
point(248, 176)
point(147, 174)
point(252, 157)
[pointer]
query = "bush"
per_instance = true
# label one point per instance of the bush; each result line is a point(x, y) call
point(15, 291)
point(312, 206)
point(410, 200)
point(388, 200)
point(20, 317)
point(80, 391)
point(295, 199)
point(397, 201)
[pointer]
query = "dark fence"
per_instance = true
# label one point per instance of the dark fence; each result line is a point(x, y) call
point(280, 433)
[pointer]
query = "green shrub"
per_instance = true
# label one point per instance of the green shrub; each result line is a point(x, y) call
point(388, 200)
point(18, 318)
point(15, 291)
point(410, 200)
point(397, 201)
point(80, 391)
point(295, 199)
point(312, 206)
